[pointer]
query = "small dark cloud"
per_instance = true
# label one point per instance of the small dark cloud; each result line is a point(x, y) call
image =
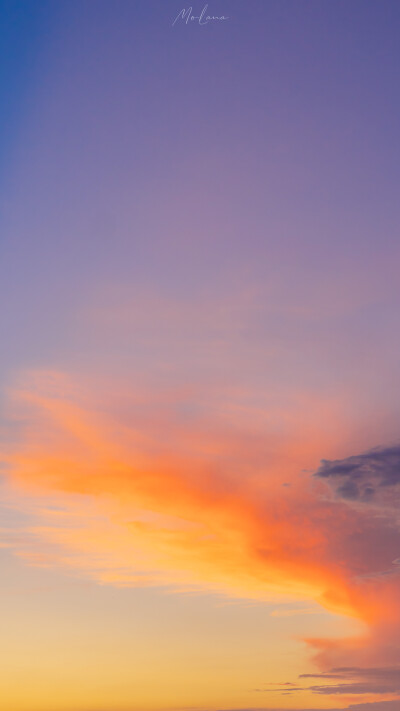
point(365, 477)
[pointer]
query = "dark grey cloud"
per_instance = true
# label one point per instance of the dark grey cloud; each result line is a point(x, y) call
point(364, 477)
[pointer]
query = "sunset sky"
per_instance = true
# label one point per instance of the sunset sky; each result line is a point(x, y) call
point(200, 355)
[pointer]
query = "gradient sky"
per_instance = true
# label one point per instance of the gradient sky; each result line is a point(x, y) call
point(200, 319)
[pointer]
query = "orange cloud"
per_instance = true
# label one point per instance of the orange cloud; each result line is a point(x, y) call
point(174, 503)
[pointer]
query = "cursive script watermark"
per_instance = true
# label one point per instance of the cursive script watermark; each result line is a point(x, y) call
point(186, 15)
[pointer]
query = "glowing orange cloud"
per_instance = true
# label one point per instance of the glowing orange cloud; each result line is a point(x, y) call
point(174, 503)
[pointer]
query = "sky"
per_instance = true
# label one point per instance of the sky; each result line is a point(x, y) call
point(200, 319)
